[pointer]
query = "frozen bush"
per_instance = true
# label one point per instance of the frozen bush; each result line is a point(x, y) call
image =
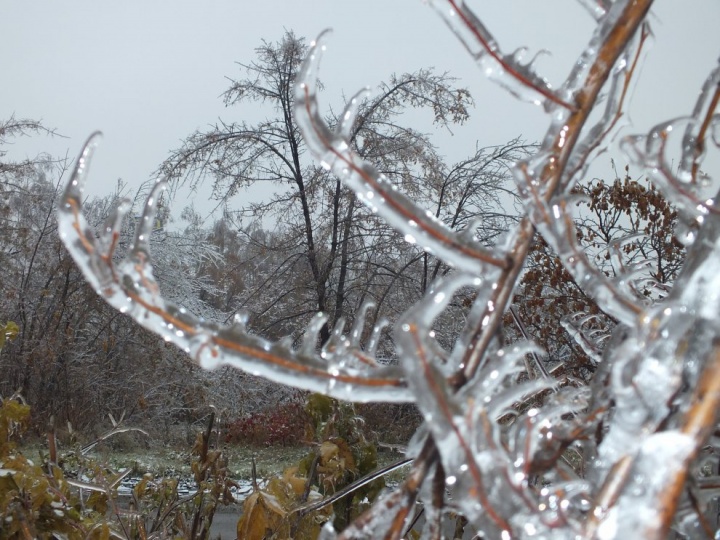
point(632, 454)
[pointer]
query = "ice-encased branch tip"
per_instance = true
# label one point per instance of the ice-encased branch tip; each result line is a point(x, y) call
point(506, 70)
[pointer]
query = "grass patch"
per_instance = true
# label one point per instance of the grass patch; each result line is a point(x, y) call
point(164, 461)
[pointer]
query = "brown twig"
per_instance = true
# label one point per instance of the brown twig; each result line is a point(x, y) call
point(699, 422)
point(700, 140)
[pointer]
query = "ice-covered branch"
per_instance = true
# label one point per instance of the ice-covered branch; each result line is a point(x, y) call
point(332, 149)
point(691, 190)
point(465, 425)
point(506, 69)
point(621, 78)
point(129, 286)
point(664, 372)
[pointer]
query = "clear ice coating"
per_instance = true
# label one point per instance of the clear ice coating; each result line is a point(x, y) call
point(508, 70)
point(631, 452)
point(674, 153)
point(596, 8)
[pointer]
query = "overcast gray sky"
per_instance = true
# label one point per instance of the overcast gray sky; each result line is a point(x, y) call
point(147, 73)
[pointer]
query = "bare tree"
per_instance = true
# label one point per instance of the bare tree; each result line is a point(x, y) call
point(631, 455)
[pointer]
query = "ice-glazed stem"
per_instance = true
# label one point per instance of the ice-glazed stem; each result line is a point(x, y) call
point(642, 491)
point(681, 185)
point(696, 132)
point(700, 420)
point(451, 416)
point(613, 34)
point(130, 287)
point(620, 84)
point(520, 80)
point(587, 79)
point(596, 8)
point(333, 150)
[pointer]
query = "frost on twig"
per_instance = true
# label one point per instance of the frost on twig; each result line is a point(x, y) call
point(129, 286)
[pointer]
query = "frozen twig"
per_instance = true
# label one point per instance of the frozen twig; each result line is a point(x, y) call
point(520, 80)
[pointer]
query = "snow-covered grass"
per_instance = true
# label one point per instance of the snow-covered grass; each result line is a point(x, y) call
point(169, 461)
point(164, 461)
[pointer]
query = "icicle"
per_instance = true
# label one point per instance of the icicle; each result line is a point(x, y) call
point(240, 320)
point(586, 342)
point(596, 8)
point(375, 336)
point(349, 115)
point(312, 334)
point(74, 229)
point(469, 233)
point(141, 246)
point(113, 225)
point(338, 341)
point(359, 323)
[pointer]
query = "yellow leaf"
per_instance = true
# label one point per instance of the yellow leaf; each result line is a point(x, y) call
point(263, 516)
point(296, 483)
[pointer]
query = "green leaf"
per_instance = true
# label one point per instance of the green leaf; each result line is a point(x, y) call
point(8, 331)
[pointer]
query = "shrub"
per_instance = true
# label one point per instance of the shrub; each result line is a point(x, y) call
point(71, 496)
point(283, 425)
